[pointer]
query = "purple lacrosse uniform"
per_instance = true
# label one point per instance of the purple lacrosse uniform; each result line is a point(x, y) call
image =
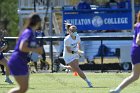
point(18, 61)
point(135, 51)
point(1, 53)
point(1, 56)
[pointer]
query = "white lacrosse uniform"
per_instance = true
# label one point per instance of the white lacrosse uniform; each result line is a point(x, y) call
point(73, 44)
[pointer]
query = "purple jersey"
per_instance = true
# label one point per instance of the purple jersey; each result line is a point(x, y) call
point(25, 36)
point(18, 61)
point(135, 52)
point(136, 32)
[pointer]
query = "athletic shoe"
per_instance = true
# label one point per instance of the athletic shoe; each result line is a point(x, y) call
point(3, 73)
point(62, 67)
point(8, 81)
point(89, 84)
point(67, 70)
point(114, 91)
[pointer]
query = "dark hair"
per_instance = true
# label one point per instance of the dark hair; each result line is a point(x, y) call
point(32, 20)
point(68, 26)
point(72, 26)
point(137, 18)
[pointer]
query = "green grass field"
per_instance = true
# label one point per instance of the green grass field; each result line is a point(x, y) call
point(67, 83)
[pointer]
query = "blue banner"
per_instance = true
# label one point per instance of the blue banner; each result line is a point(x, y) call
point(105, 20)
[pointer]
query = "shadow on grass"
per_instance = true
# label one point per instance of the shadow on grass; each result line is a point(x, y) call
point(6, 87)
point(95, 87)
point(100, 87)
point(31, 88)
point(10, 86)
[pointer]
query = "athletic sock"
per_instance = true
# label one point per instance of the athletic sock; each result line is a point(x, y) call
point(86, 80)
point(6, 77)
point(118, 89)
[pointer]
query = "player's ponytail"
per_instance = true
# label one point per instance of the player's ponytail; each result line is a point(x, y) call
point(32, 20)
point(137, 19)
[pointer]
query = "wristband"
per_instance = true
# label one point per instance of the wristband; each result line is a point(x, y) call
point(72, 52)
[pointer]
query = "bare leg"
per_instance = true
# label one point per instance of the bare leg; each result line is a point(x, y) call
point(133, 77)
point(2, 69)
point(23, 82)
point(4, 62)
point(75, 66)
point(70, 68)
point(35, 65)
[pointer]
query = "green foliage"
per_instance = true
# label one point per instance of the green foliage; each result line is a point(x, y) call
point(8, 11)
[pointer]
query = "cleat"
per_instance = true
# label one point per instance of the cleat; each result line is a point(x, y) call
point(8, 81)
point(113, 91)
point(62, 67)
point(67, 70)
point(89, 84)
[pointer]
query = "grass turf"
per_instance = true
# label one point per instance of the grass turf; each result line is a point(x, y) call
point(67, 83)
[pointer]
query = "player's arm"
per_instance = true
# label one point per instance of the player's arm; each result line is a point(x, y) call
point(79, 47)
point(138, 39)
point(24, 48)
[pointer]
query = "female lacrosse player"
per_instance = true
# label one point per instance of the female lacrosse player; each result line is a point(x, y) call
point(135, 56)
point(71, 52)
point(19, 59)
point(4, 61)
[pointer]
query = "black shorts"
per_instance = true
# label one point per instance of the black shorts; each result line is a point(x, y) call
point(1, 56)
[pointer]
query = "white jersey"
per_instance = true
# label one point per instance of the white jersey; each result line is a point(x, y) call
point(73, 44)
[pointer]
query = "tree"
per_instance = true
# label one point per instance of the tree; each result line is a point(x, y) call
point(8, 12)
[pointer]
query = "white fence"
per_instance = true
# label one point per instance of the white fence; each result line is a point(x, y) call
point(91, 48)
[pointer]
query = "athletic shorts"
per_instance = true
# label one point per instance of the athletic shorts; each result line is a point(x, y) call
point(135, 59)
point(69, 59)
point(18, 65)
point(1, 56)
point(135, 55)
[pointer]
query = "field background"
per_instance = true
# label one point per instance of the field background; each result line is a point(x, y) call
point(67, 83)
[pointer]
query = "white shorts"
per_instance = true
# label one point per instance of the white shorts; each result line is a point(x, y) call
point(69, 59)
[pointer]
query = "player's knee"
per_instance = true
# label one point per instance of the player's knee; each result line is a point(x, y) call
point(23, 89)
point(77, 69)
point(135, 77)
